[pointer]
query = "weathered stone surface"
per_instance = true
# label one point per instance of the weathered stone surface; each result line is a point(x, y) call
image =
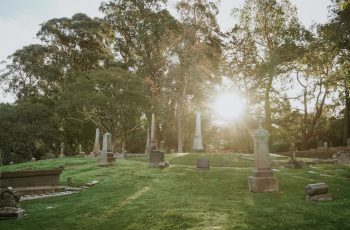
point(148, 142)
point(315, 189)
point(155, 158)
point(9, 204)
point(319, 197)
point(153, 141)
point(202, 164)
point(107, 157)
point(197, 142)
point(97, 146)
point(263, 184)
point(31, 181)
point(62, 150)
point(262, 179)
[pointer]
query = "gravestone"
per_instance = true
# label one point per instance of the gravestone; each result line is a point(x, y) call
point(31, 181)
point(97, 147)
point(317, 192)
point(293, 163)
point(202, 164)
point(148, 143)
point(62, 150)
point(262, 179)
point(81, 153)
point(33, 159)
point(153, 142)
point(9, 204)
point(106, 157)
point(156, 157)
point(197, 142)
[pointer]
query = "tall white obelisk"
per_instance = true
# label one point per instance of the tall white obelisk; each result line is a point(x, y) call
point(197, 142)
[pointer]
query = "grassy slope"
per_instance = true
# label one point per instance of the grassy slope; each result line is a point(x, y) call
point(133, 196)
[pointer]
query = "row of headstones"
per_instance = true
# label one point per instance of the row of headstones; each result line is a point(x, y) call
point(151, 141)
point(106, 156)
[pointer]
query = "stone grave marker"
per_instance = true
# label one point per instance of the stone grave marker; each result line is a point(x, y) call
point(106, 157)
point(62, 150)
point(317, 192)
point(148, 142)
point(262, 179)
point(156, 157)
point(197, 142)
point(202, 164)
point(9, 204)
point(293, 163)
point(97, 147)
point(81, 153)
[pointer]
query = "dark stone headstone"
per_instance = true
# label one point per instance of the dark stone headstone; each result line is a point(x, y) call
point(9, 204)
point(155, 158)
point(202, 164)
point(317, 192)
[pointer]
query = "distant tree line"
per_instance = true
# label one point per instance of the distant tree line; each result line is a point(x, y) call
point(114, 72)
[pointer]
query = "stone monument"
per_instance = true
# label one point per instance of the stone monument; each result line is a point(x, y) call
point(293, 163)
point(62, 150)
point(202, 164)
point(9, 204)
point(81, 153)
point(156, 157)
point(197, 142)
point(153, 142)
point(262, 179)
point(97, 147)
point(148, 143)
point(317, 192)
point(106, 157)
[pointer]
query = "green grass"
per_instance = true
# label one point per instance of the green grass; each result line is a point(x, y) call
point(132, 196)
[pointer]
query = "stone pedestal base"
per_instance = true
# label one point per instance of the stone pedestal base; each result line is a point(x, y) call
point(155, 158)
point(263, 184)
point(106, 160)
point(10, 213)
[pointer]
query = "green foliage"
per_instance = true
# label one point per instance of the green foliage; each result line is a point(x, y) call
point(27, 130)
point(112, 99)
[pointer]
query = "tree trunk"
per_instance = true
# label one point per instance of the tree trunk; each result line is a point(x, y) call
point(310, 130)
point(179, 119)
point(267, 105)
point(179, 132)
point(346, 115)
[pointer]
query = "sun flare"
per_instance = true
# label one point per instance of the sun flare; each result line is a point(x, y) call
point(228, 106)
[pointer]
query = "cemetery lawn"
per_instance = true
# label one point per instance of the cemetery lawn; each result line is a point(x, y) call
point(132, 196)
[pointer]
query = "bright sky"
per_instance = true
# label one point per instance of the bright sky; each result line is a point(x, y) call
point(20, 19)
